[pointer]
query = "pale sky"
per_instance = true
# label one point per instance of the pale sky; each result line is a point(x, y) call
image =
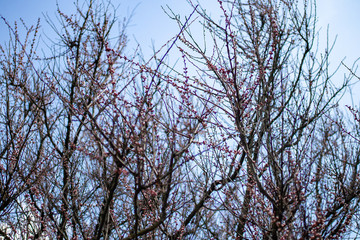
point(149, 24)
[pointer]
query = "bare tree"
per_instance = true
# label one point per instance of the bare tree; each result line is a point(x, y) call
point(273, 96)
point(240, 140)
point(23, 138)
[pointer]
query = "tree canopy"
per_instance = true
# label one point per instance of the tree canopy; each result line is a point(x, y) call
point(242, 138)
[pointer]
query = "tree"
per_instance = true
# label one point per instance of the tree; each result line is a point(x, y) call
point(277, 97)
point(98, 144)
point(23, 151)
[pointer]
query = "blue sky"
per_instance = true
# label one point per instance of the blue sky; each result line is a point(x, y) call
point(150, 25)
